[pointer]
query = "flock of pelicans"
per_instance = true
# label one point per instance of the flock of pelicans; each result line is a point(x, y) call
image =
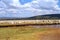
point(28, 22)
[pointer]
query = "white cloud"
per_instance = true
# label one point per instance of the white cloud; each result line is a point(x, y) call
point(44, 4)
point(12, 8)
point(15, 3)
point(2, 4)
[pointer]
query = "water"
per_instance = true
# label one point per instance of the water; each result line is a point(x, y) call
point(46, 26)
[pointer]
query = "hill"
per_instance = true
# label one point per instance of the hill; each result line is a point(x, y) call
point(49, 16)
point(39, 17)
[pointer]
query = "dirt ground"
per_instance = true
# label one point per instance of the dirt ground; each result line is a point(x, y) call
point(48, 35)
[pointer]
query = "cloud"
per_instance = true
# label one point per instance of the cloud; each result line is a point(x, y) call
point(44, 4)
point(13, 8)
point(47, 6)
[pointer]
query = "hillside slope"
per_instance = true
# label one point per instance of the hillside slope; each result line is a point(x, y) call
point(48, 16)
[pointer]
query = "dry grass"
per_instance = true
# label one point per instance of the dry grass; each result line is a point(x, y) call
point(28, 33)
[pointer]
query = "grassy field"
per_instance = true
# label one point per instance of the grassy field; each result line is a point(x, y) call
point(28, 33)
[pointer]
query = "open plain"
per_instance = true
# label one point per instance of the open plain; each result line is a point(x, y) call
point(30, 30)
point(30, 33)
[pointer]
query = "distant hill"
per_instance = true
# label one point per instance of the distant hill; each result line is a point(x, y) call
point(49, 16)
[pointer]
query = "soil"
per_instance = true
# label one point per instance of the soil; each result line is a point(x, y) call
point(49, 35)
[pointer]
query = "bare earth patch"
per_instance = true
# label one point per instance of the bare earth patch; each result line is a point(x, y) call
point(48, 35)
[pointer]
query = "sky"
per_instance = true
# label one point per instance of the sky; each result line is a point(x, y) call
point(28, 8)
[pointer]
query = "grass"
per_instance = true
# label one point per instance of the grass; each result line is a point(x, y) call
point(21, 33)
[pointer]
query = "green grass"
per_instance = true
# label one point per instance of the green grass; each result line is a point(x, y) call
point(19, 33)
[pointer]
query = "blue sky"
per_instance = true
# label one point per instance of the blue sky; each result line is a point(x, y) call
point(28, 8)
point(59, 3)
point(24, 1)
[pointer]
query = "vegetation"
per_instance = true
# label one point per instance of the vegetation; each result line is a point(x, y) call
point(39, 17)
point(23, 33)
point(30, 32)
